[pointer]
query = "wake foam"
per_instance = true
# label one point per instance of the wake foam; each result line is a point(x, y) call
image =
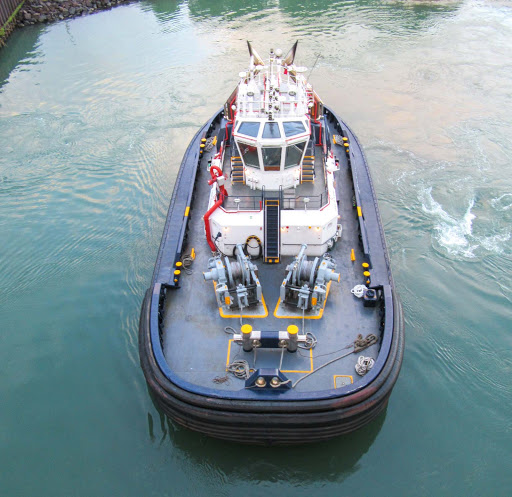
point(503, 202)
point(455, 234)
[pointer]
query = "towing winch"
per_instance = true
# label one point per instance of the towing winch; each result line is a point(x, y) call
point(236, 282)
point(305, 285)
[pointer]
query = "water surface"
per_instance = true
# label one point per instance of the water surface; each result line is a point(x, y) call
point(95, 114)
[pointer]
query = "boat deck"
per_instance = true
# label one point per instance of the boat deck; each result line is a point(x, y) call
point(197, 346)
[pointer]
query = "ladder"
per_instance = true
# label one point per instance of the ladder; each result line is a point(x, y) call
point(272, 230)
point(307, 170)
point(237, 170)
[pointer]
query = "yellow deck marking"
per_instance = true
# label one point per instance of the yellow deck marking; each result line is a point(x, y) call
point(320, 313)
point(229, 352)
point(187, 210)
point(342, 376)
point(359, 211)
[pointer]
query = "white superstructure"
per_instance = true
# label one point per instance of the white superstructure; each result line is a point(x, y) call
point(282, 190)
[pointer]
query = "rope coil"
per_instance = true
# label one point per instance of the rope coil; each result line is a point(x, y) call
point(358, 291)
point(240, 369)
point(209, 143)
point(310, 342)
point(361, 343)
point(363, 365)
point(187, 262)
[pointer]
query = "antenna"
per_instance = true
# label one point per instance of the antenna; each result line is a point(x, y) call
point(314, 65)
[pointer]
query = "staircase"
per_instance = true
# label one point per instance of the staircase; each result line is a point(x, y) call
point(307, 171)
point(237, 170)
point(272, 230)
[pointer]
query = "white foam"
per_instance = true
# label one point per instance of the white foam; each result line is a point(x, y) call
point(452, 233)
point(455, 234)
point(503, 202)
point(495, 243)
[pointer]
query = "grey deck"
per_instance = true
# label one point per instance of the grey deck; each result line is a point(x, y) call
point(195, 343)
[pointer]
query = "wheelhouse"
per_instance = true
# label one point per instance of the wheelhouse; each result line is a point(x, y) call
point(276, 145)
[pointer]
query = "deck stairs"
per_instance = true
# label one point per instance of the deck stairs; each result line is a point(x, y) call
point(237, 170)
point(307, 170)
point(272, 230)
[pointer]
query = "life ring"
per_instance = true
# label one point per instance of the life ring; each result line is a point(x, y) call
point(260, 246)
point(215, 172)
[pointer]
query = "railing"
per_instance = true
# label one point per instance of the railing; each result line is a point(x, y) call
point(314, 202)
point(255, 202)
point(243, 203)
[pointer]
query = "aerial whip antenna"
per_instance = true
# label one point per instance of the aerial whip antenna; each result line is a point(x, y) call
point(314, 65)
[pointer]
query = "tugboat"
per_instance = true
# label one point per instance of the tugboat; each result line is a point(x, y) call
point(272, 315)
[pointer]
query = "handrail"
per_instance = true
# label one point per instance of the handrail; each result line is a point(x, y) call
point(254, 202)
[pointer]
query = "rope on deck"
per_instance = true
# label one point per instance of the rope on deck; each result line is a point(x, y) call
point(359, 344)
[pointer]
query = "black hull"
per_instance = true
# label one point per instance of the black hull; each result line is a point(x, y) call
point(263, 422)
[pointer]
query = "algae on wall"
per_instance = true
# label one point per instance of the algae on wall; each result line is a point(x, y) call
point(8, 11)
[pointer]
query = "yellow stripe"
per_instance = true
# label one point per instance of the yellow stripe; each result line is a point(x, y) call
point(359, 211)
point(229, 354)
point(187, 210)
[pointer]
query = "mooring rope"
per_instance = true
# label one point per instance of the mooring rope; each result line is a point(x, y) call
point(358, 291)
point(187, 262)
point(240, 368)
point(209, 143)
point(310, 342)
point(363, 365)
point(359, 344)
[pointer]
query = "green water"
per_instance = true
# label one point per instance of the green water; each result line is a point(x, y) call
point(95, 114)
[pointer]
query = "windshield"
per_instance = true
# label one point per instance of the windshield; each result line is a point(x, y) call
point(271, 158)
point(271, 130)
point(249, 128)
point(294, 154)
point(292, 128)
point(249, 155)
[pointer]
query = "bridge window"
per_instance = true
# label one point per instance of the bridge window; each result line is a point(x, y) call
point(249, 155)
point(271, 130)
point(292, 128)
point(294, 154)
point(271, 158)
point(249, 128)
